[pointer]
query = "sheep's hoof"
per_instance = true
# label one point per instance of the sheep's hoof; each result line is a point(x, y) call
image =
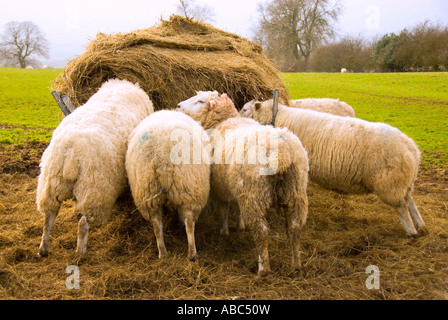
point(193, 258)
point(263, 273)
point(296, 266)
point(423, 231)
point(43, 252)
point(81, 250)
point(224, 232)
point(263, 270)
point(412, 235)
point(295, 271)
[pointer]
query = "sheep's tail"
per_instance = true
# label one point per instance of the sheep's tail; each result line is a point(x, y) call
point(281, 154)
point(285, 156)
point(70, 170)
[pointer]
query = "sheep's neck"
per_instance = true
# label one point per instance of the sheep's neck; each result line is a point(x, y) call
point(279, 119)
point(217, 119)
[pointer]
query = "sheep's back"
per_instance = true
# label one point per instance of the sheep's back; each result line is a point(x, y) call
point(346, 153)
point(155, 158)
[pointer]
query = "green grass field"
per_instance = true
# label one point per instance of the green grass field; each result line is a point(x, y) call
point(416, 103)
point(28, 111)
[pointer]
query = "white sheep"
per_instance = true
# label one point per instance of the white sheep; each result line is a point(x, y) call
point(343, 70)
point(159, 178)
point(85, 159)
point(353, 156)
point(239, 174)
point(332, 106)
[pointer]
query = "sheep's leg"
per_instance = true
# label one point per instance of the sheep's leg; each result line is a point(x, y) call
point(83, 232)
point(261, 240)
point(292, 200)
point(415, 214)
point(44, 247)
point(224, 209)
point(157, 224)
point(293, 222)
point(189, 227)
point(256, 222)
point(406, 220)
point(241, 224)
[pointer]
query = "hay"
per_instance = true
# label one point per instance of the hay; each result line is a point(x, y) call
point(343, 236)
point(172, 61)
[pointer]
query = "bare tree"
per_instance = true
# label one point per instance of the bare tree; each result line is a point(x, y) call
point(189, 9)
point(21, 41)
point(290, 30)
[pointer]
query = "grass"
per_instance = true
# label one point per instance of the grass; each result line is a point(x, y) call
point(415, 103)
point(27, 106)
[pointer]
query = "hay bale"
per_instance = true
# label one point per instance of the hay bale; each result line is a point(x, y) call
point(171, 61)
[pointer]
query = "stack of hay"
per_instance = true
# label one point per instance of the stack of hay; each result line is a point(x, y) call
point(172, 61)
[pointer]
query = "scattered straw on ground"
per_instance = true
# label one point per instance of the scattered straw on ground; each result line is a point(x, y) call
point(344, 235)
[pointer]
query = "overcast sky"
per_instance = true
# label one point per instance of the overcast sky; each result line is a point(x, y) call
point(70, 24)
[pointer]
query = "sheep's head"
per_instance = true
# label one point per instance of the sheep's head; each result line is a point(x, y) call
point(259, 111)
point(209, 107)
point(248, 109)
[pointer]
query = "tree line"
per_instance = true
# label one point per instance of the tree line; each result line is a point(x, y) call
point(22, 43)
point(423, 47)
point(298, 35)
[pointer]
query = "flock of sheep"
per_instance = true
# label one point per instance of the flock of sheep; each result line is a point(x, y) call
point(258, 159)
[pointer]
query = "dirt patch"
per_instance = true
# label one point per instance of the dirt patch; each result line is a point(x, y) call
point(21, 158)
point(10, 126)
point(344, 235)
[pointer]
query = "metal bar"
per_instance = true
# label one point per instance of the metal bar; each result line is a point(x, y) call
point(61, 103)
point(276, 95)
point(68, 103)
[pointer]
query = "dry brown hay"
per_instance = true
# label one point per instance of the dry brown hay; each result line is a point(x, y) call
point(344, 234)
point(171, 61)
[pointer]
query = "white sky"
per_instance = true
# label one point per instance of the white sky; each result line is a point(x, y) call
point(70, 24)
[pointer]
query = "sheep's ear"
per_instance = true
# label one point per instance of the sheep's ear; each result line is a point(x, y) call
point(257, 106)
point(211, 104)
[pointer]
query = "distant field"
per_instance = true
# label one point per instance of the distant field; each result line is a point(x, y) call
point(416, 103)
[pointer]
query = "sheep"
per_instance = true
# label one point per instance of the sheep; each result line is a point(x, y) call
point(157, 178)
point(351, 155)
point(343, 70)
point(256, 185)
point(332, 106)
point(85, 159)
